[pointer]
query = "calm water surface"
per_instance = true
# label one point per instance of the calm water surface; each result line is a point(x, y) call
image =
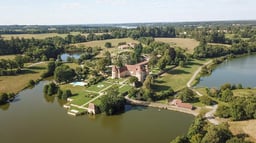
point(239, 70)
point(35, 118)
point(65, 56)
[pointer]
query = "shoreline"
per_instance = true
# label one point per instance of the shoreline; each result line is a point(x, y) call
point(162, 106)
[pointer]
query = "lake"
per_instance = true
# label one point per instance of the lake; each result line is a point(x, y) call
point(33, 117)
point(65, 56)
point(238, 70)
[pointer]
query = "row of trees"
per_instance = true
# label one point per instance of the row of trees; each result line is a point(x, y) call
point(201, 132)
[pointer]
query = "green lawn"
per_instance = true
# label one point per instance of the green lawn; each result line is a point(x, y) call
point(125, 88)
point(99, 86)
point(178, 77)
point(80, 100)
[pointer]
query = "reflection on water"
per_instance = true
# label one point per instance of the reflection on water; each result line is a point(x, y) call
point(239, 70)
point(38, 118)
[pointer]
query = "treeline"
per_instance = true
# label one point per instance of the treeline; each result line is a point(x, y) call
point(237, 107)
point(202, 132)
point(205, 50)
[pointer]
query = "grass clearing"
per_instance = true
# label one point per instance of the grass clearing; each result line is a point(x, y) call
point(218, 44)
point(72, 65)
point(178, 77)
point(17, 83)
point(244, 92)
point(7, 57)
point(247, 127)
point(101, 43)
point(185, 43)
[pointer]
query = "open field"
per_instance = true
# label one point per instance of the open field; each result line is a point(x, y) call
point(247, 127)
point(244, 92)
point(41, 36)
point(17, 83)
point(184, 43)
point(6, 57)
point(218, 44)
point(178, 77)
point(101, 43)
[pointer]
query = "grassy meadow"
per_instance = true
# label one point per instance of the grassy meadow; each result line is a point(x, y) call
point(41, 36)
point(244, 127)
point(7, 57)
point(16, 83)
point(178, 77)
point(187, 44)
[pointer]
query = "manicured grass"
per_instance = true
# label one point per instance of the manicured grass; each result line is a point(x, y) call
point(244, 127)
point(244, 92)
point(97, 102)
point(184, 43)
point(178, 77)
point(17, 83)
point(99, 86)
point(125, 88)
point(80, 99)
point(76, 90)
point(6, 57)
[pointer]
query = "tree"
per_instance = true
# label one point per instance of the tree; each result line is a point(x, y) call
point(217, 134)
point(223, 111)
point(186, 95)
point(50, 70)
point(162, 63)
point(112, 102)
point(20, 61)
point(64, 73)
point(206, 100)
point(133, 80)
point(108, 45)
point(226, 95)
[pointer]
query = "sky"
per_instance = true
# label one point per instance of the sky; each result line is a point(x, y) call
point(58, 12)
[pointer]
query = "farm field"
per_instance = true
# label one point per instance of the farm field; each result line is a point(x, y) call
point(247, 127)
point(6, 57)
point(41, 36)
point(187, 44)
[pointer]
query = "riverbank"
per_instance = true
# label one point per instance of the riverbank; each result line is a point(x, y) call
point(15, 84)
point(162, 106)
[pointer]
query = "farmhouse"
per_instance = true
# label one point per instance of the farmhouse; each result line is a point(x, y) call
point(139, 70)
point(179, 103)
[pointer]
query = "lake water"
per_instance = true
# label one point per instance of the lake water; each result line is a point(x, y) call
point(35, 118)
point(239, 70)
point(65, 56)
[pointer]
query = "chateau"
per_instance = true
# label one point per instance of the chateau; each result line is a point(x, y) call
point(139, 70)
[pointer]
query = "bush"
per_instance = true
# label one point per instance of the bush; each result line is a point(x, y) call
point(206, 100)
point(31, 83)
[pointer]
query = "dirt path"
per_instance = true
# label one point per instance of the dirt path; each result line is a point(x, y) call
point(210, 115)
point(34, 64)
point(196, 73)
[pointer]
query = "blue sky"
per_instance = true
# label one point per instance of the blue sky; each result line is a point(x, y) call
point(123, 11)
